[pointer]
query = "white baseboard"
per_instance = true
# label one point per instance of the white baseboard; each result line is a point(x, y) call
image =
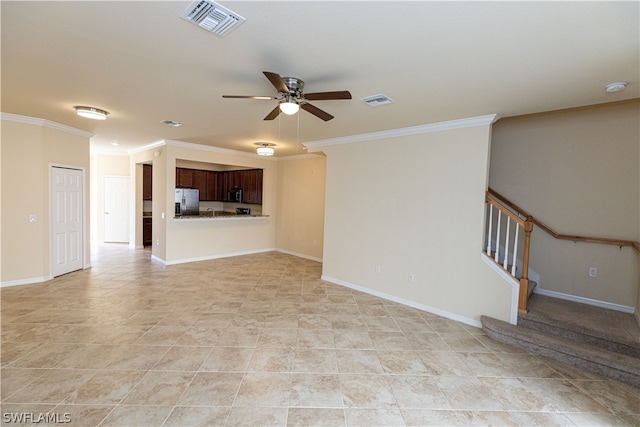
point(217, 256)
point(158, 259)
point(433, 310)
point(29, 281)
point(583, 300)
point(299, 255)
point(230, 254)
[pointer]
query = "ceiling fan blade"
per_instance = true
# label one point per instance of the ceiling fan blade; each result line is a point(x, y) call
point(274, 113)
point(276, 81)
point(323, 96)
point(248, 97)
point(316, 112)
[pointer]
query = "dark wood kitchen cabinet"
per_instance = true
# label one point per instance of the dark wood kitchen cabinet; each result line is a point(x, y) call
point(200, 183)
point(214, 186)
point(252, 186)
point(208, 183)
point(250, 181)
point(213, 189)
point(230, 180)
point(147, 232)
point(147, 182)
point(184, 177)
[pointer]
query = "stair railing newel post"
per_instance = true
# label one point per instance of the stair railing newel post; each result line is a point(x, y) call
point(524, 280)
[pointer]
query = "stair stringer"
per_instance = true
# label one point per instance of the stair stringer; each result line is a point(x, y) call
point(513, 282)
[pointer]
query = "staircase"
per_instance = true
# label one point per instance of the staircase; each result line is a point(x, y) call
point(599, 340)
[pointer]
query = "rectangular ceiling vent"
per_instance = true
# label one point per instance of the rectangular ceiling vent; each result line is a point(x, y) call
point(212, 17)
point(377, 100)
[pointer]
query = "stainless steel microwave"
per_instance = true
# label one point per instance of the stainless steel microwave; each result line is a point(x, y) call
point(235, 195)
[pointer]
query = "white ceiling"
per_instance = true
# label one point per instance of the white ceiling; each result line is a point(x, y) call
point(437, 60)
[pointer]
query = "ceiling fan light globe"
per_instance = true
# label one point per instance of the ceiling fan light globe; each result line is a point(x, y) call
point(289, 108)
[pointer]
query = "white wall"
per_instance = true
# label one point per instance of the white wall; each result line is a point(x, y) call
point(300, 209)
point(413, 205)
point(29, 147)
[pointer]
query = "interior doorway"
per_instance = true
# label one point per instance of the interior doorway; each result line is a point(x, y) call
point(67, 219)
point(116, 209)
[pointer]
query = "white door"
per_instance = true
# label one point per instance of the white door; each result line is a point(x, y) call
point(116, 209)
point(67, 198)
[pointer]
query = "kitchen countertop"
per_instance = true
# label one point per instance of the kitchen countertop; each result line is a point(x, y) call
point(218, 216)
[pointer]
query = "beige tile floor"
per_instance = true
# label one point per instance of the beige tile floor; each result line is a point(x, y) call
point(261, 340)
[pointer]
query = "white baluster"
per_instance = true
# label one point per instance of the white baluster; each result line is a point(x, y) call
point(498, 236)
point(515, 251)
point(490, 229)
point(506, 245)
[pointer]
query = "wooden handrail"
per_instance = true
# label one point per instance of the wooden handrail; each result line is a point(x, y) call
point(527, 227)
point(588, 239)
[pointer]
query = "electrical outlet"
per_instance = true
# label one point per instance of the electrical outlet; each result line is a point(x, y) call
point(411, 277)
point(593, 271)
point(157, 242)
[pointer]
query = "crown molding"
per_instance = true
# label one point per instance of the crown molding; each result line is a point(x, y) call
point(413, 130)
point(175, 143)
point(45, 123)
point(151, 146)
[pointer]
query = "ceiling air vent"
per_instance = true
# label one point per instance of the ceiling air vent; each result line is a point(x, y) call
point(212, 17)
point(377, 100)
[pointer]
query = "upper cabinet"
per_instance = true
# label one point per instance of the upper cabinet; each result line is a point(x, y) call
point(200, 183)
point(184, 177)
point(252, 186)
point(147, 182)
point(214, 186)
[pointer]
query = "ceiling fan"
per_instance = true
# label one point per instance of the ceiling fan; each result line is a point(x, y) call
point(291, 97)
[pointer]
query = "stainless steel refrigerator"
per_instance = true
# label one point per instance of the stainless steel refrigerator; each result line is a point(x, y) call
point(187, 201)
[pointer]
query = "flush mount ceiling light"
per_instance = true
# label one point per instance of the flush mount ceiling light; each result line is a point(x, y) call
point(616, 87)
point(91, 113)
point(265, 149)
point(289, 106)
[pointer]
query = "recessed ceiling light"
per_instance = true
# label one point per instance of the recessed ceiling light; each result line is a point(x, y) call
point(91, 113)
point(173, 123)
point(616, 87)
point(115, 144)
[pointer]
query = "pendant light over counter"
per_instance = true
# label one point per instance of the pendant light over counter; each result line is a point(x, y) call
point(265, 149)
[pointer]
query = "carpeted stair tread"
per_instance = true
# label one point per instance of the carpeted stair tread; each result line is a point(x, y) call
point(581, 354)
point(608, 329)
point(576, 334)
